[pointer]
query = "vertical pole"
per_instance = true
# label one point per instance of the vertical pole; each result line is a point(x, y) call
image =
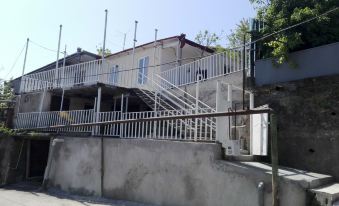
point(63, 68)
point(243, 73)
point(24, 66)
point(22, 75)
point(197, 88)
point(62, 99)
point(133, 52)
point(126, 108)
point(98, 110)
point(114, 104)
point(57, 60)
point(94, 115)
point(251, 100)
point(123, 45)
point(274, 159)
point(155, 113)
point(40, 106)
point(155, 47)
point(229, 93)
point(121, 110)
point(104, 43)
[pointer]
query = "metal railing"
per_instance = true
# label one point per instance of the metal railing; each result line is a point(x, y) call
point(194, 129)
point(53, 118)
point(86, 73)
point(212, 66)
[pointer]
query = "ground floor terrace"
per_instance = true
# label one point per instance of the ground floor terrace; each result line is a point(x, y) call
point(102, 103)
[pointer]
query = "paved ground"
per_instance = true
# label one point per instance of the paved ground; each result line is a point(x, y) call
point(19, 195)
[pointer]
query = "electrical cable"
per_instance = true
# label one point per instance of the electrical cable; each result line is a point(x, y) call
point(16, 60)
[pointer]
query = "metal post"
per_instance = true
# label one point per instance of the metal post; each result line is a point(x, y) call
point(57, 61)
point(126, 108)
point(104, 43)
point(123, 45)
point(94, 115)
point(229, 93)
point(197, 88)
point(22, 75)
point(274, 160)
point(24, 66)
point(40, 106)
point(133, 51)
point(251, 100)
point(155, 47)
point(97, 130)
point(122, 110)
point(62, 99)
point(114, 103)
point(243, 73)
point(63, 68)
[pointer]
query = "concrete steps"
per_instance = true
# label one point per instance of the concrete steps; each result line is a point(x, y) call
point(327, 195)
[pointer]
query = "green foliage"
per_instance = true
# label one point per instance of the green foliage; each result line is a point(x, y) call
point(279, 14)
point(210, 40)
point(241, 33)
point(5, 132)
point(107, 51)
point(206, 38)
point(6, 95)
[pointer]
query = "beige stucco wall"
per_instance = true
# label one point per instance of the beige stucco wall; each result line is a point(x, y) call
point(163, 58)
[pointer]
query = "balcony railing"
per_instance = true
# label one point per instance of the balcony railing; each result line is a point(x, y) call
point(212, 66)
point(188, 129)
point(87, 73)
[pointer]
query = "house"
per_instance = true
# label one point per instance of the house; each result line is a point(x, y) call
point(123, 81)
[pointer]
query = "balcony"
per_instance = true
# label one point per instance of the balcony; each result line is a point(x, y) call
point(83, 74)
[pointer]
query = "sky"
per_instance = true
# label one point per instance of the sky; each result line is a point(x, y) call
point(83, 25)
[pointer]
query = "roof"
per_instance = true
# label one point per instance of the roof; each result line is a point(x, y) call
point(68, 59)
point(181, 37)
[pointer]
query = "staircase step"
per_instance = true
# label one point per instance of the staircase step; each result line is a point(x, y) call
point(327, 195)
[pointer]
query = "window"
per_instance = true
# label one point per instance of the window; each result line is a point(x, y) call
point(114, 74)
point(143, 70)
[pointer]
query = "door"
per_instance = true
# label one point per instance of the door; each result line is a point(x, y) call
point(143, 70)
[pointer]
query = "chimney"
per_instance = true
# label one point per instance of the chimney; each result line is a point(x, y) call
point(79, 49)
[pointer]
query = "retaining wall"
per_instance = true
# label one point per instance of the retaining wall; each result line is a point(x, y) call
point(170, 173)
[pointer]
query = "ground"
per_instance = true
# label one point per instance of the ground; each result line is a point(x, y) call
point(30, 195)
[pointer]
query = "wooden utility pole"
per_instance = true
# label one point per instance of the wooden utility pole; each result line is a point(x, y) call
point(274, 159)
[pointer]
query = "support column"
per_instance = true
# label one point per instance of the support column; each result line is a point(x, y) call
point(62, 99)
point(197, 90)
point(41, 105)
point(122, 115)
point(98, 109)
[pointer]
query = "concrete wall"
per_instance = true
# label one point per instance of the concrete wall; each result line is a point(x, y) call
point(318, 61)
point(308, 120)
point(30, 102)
point(170, 173)
point(76, 166)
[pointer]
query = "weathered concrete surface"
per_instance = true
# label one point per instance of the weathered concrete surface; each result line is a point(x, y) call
point(314, 62)
point(12, 159)
point(16, 197)
point(172, 173)
point(76, 166)
point(308, 119)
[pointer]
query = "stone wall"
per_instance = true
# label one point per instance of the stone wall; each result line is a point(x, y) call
point(308, 122)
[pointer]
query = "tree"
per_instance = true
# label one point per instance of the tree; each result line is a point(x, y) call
point(279, 14)
point(210, 40)
point(236, 38)
point(6, 94)
point(107, 51)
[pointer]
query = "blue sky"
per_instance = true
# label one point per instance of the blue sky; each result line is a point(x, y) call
point(83, 23)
